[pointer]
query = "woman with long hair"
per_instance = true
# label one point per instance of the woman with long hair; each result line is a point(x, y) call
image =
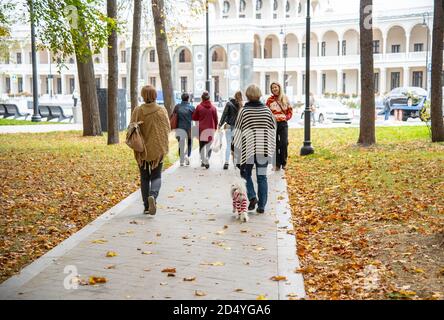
point(281, 108)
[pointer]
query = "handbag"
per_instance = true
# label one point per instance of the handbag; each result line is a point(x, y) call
point(216, 146)
point(174, 120)
point(134, 138)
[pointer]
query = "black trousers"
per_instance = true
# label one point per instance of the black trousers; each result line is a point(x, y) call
point(205, 151)
point(281, 144)
point(150, 182)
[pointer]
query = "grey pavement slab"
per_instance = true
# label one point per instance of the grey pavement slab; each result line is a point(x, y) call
point(194, 232)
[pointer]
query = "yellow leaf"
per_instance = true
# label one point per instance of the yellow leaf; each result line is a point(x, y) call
point(200, 293)
point(189, 279)
point(419, 270)
point(261, 297)
point(147, 253)
point(181, 189)
point(111, 254)
point(278, 278)
point(99, 241)
point(94, 280)
point(169, 270)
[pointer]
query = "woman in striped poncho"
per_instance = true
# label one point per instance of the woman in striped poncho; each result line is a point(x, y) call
point(254, 145)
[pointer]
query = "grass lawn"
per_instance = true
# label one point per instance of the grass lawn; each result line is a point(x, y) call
point(53, 184)
point(13, 122)
point(369, 222)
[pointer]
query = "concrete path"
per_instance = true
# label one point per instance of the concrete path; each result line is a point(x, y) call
point(193, 232)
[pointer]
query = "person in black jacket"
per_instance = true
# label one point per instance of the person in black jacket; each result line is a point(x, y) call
point(184, 112)
point(228, 122)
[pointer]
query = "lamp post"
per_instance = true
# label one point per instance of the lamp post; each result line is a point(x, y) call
point(285, 51)
point(426, 24)
point(307, 149)
point(36, 116)
point(208, 82)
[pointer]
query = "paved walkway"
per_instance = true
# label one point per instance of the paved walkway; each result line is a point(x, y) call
point(193, 232)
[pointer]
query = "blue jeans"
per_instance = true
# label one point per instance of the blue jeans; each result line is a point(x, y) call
point(387, 115)
point(262, 182)
point(229, 138)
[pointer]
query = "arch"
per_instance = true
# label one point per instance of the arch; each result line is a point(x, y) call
point(272, 48)
point(230, 9)
point(418, 35)
point(314, 44)
point(331, 39)
point(351, 38)
point(396, 35)
point(292, 45)
point(257, 53)
point(378, 36)
point(183, 55)
point(293, 8)
point(218, 54)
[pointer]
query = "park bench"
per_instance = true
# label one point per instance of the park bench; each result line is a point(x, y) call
point(2, 110)
point(53, 112)
point(11, 110)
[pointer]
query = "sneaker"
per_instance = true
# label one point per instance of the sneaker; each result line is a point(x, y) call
point(253, 203)
point(182, 164)
point(226, 166)
point(202, 165)
point(260, 211)
point(146, 211)
point(152, 205)
point(187, 161)
point(207, 166)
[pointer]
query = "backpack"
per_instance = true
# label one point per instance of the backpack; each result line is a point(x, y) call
point(134, 138)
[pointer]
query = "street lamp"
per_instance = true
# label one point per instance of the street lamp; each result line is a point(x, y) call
point(307, 149)
point(36, 116)
point(426, 24)
point(285, 51)
point(208, 82)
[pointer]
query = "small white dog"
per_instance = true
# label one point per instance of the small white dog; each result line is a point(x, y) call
point(239, 196)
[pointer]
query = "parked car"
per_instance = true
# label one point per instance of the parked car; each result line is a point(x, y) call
point(332, 110)
point(408, 99)
point(177, 97)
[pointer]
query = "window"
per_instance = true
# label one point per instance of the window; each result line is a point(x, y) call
point(287, 6)
point(123, 56)
point(7, 58)
point(303, 84)
point(300, 8)
point(275, 5)
point(124, 83)
point(59, 60)
point(216, 88)
point(258, 5)
point(48, 84)
point(152, 56)
point(376, 47)
point(344, 47)
point(8, 84)
point(71, 85)
point(20, 84)
point(258, 16)
point(396, 48)
point(59, 85)
point(323, 49)
point(97, 60)
point(324, 82)
point(19, 58)
point(242, 6)
point(183, 84)
point(418, 79)
point(71, 61)
point(395, 80)
point(98, 82)
point(376, 82)
point(31, 85)
point(226, 7)
point(153, 81)
point(418, 47)
point(30, 57)
point(267, 84)
point(344, 82)
point(215, 56)
point(304, 49)
point(275, 16)
point(182, 56)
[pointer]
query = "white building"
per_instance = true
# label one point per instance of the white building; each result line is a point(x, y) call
point(247, 38)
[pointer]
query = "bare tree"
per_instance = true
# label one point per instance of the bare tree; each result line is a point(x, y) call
point(158, 7)
point(135, 54)
point(437, 64)
point(367, 136)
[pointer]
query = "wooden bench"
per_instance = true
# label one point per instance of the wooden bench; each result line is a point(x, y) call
point(54, 112)
point(11, 110)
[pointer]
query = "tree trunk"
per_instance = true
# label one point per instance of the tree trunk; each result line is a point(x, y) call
point(367, 135)
point(163, 54)
point(113, 77)
point(135, 54)
point(88, 96)
point(437, 63)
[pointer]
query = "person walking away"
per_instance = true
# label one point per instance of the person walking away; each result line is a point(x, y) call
point(283, 112)
point(206, 115)
point(254, 146)
point(155, 131)
point(386, 110)
point(184, 112)
point(228, 121)
point(312, 109)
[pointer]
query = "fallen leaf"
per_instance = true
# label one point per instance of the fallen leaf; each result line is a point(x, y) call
point(278, 278)
point(171, 275)
point(169, 270)
point(99, 241)
point(199, 293)
point(261, 297)
point(189, 279)
point(95, 280)
point(110, 267)
point(111, 254)
point(181, 189)
point(147, 252)
point(238, 290)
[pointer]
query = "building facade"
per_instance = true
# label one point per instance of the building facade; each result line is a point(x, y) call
point(262, 41)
